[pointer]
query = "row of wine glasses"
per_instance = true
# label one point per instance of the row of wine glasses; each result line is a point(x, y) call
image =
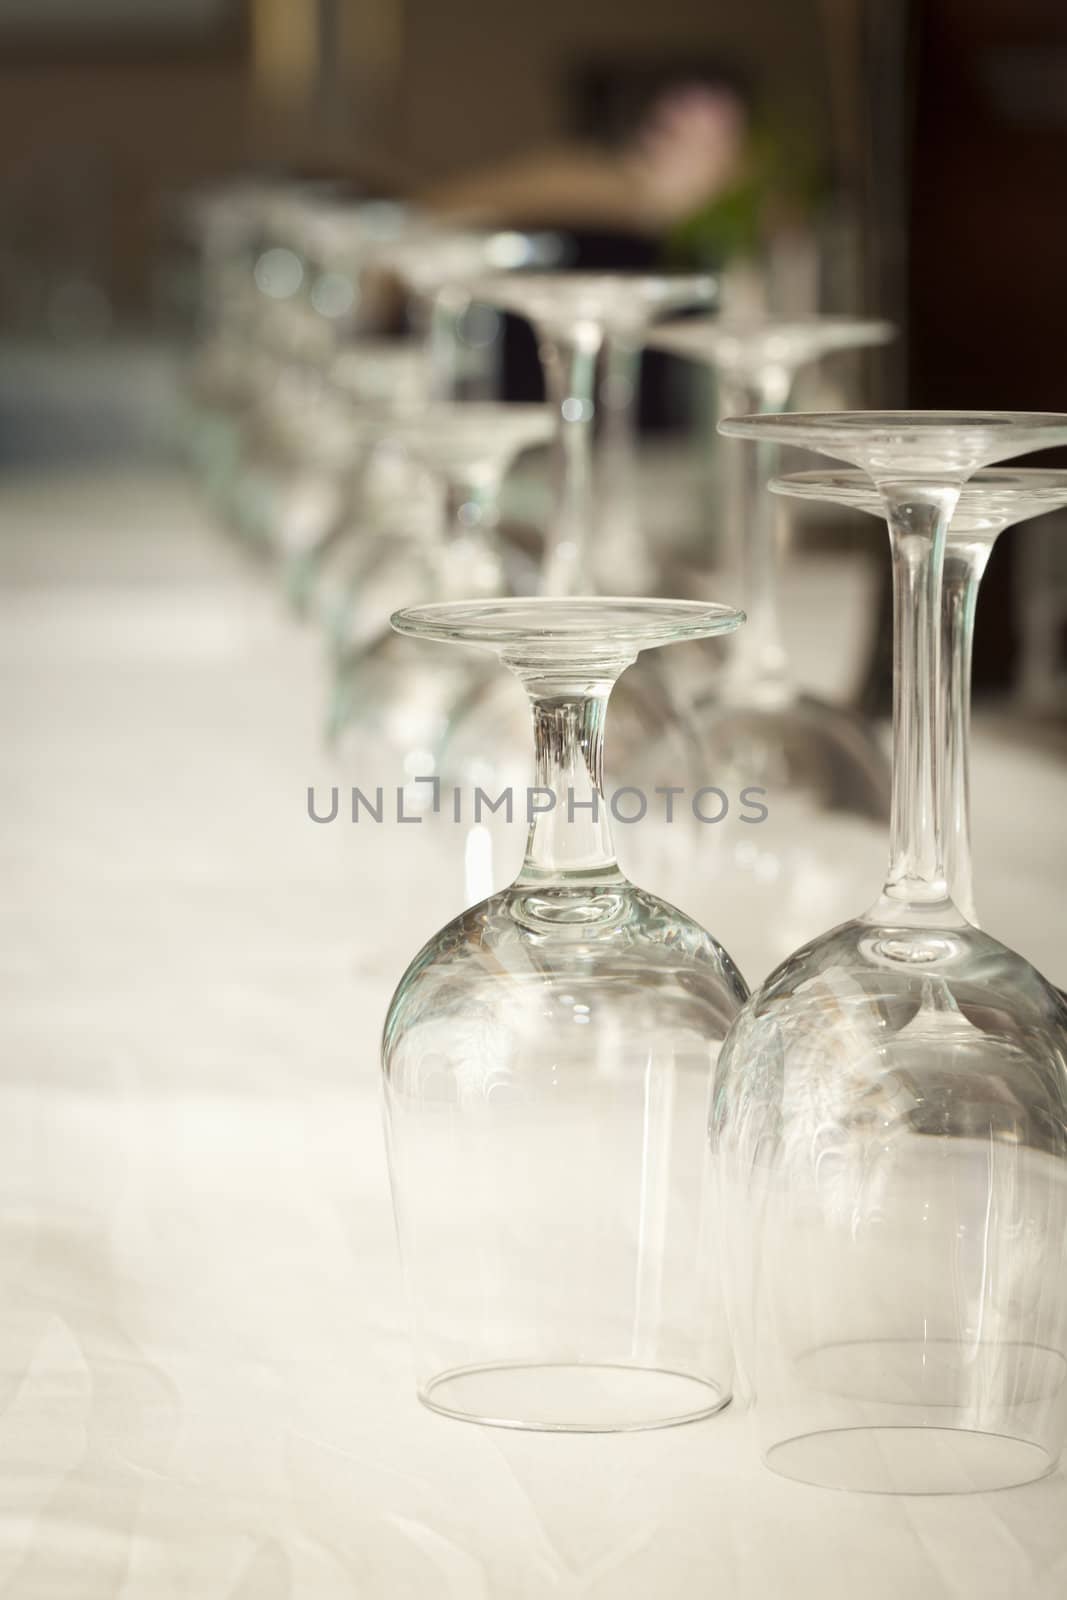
point(890, 1113)
point(876, 1223)
point(313, 462)
point(331, 478)
point(311, 255)
point(868, 1213)
point(311, 277)
point(823, 763)
point(443, 723)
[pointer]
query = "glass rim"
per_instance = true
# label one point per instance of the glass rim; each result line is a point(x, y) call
point(632, 298)
point(986, 489)
point(492, 420)
point(697, 336)
point(859, 427)
point(593, 624)
point(452, 438)
point(589, 276)
point(479, 411)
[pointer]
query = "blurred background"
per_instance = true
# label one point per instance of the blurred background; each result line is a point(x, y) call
point(232, 233)
point(240, 251)
point(901, 160)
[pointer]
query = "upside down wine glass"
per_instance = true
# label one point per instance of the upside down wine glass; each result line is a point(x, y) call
point(992, 500)
point(368, 514)
point(437, 267)
point(339, 242)
point(573, 314)
point(375, 525)
point(333, 255)
point(578, 317)
point(889, 1117)
point(478, 736)
point(622, 550)
point(312, 277)
point(821, 765)
point(547, 1059)
point(379, 693)
point(336, 245)
point(755, 362)
point(221, 382)
point(309, 451)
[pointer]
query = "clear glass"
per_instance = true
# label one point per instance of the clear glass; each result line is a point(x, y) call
point(329, 335)
point(437, 266)
point(573, 314)
point(380, 524)
point(990, 501)
point(622, 557)
point(582, 319)
point(341, 242)
point(305, 453)
point(547, 1060)
point(222, 383)
point(468, 448)
point(888, 1124)
point(821, 766)
point(317, 289)
point(380, 511)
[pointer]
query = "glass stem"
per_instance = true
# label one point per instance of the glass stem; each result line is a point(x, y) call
point(964, 566)
point(918, 520)
point(436, 320)
point(759, 669)
point(621, 551)
point(570, 362)
point(570, 838)
point(470, 566)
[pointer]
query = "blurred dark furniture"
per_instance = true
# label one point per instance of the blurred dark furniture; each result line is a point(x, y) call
point(988, 263)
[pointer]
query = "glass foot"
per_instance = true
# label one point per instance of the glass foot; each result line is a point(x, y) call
point(958, 1424)
point(904, 1460)
point(573, 1398)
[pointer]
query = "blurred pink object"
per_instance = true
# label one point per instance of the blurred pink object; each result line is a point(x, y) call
point(687, 150)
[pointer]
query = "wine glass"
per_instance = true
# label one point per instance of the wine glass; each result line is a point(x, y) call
point(372, 505)
point(304, 452)
point(319, 273)
point(547, 1058)
point(621, 555)
point(438, 265)
point(573, 313)
point(227, 223)
point(820, 767)
point(990, 501)
point(222, 222)
point(755, 361)
point(468, 448)
point(888, 1122)
point(341, 242)
point(297, 291)
point(383, 518)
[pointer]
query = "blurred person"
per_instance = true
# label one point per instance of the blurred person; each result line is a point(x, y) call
point(688, 149)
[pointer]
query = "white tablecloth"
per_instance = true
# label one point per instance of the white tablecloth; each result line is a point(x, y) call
point(204, 1378)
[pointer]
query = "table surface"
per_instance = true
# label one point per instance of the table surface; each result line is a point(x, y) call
point(204, 1376)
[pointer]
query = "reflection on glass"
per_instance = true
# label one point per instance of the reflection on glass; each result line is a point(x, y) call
point(990, 501)
point(547, 1059)
point(823, 772)
point(379, 692)
point(889, 1118)
point(573, 313)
